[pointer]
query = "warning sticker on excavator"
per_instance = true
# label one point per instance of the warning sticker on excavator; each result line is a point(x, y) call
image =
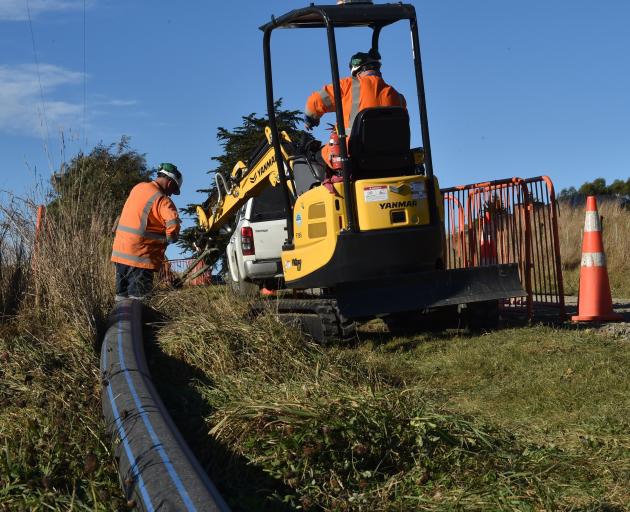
point(375, 193)
point(418, 190)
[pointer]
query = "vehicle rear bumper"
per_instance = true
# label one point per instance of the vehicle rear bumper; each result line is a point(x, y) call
point(262, 269)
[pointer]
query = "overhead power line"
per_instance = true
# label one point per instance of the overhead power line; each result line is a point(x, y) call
point(84, 79)
point(43, 121)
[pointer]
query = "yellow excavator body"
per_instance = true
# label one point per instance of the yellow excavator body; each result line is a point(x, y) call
point(319, 216)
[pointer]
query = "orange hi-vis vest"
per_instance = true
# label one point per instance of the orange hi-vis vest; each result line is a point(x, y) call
point(357, 93)
point(148, 223)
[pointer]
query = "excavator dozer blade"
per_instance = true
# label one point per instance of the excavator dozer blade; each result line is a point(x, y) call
point(433, 289)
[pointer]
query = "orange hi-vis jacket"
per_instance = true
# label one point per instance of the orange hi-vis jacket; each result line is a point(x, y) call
point(357, 93)
point(148, 223)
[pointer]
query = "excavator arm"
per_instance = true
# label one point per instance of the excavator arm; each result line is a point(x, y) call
point(243, 183)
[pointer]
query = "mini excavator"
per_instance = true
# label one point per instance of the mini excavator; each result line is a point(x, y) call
point(369, 243)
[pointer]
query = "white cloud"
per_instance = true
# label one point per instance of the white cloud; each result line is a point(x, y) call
point(15, 10)
point(120, 103)
point(21, 108)
point(20, 99)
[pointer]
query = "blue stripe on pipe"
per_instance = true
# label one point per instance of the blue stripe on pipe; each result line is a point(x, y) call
point(154, 437)
point(123, 437)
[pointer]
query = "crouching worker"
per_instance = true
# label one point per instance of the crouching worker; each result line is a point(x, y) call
point(147, 224)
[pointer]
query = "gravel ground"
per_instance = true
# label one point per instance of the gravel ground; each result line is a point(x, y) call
point(614, 329)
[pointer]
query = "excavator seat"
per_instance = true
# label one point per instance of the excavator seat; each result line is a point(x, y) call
point(380, 143)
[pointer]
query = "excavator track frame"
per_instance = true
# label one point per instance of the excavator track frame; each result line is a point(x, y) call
point(319, 318)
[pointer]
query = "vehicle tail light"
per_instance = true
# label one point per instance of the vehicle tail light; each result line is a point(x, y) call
point(247, 241)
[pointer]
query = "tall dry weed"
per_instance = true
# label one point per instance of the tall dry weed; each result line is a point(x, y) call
point(16, 234)
point(74, 275)
point(72, 268)
point(59, 290)
point(616, 236)
point(64, 277)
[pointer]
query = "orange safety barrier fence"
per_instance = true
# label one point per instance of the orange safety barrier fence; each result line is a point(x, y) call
point(172, 269)
point(508, 221)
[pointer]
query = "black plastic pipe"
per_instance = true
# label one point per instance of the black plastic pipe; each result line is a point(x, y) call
point(157, 469)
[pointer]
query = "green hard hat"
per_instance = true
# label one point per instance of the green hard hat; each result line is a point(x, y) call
point(371, 59)
point(170, 171)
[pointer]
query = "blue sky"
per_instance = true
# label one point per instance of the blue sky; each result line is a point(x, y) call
point(513, 88)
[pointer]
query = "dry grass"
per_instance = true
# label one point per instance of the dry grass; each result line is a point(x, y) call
point(16, 235)
point(53, 451)
point(55, 296)
point(64, 279)
point(73, 272)
point(616, 244)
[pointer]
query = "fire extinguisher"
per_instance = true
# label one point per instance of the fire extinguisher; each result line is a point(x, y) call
point(335, 161)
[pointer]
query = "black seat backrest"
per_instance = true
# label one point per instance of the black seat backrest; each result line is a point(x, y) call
point(380, 143)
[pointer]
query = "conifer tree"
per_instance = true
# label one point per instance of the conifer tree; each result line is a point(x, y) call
point(102, 178)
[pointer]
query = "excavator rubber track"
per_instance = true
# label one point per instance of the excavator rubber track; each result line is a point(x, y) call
point(318, 318)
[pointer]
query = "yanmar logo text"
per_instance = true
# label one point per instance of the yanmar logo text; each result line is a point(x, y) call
point(397, 204)
point(257, 173)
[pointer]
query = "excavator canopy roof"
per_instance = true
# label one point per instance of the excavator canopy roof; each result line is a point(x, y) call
point(345, 15)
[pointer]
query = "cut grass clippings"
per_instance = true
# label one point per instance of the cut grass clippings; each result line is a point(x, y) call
point(521, 419)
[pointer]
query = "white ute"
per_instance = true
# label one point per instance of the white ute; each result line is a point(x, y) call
point(253, 252)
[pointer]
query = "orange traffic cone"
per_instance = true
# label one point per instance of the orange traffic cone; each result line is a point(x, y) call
point(594, 301)
point(266, 292)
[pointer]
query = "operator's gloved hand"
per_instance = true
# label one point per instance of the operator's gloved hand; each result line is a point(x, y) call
point(310, 122)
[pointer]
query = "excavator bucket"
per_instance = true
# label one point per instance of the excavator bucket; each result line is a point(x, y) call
point(433, 289)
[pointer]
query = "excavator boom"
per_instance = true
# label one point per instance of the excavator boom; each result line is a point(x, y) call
point(244, 182)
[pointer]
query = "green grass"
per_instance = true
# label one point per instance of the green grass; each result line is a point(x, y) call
point(520, 419)
point(523, 376)
point(53, 451)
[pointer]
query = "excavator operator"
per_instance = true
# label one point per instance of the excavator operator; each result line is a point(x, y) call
point(365, 88)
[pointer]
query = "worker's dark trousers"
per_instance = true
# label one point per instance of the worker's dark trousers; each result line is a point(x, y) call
point(133, 282)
